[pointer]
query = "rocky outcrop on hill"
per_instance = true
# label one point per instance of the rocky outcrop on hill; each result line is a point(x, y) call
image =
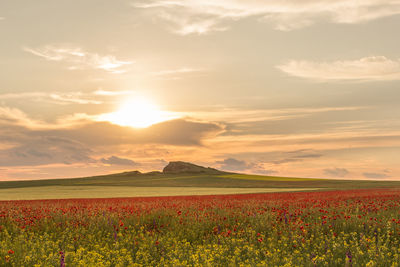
point(175, 167)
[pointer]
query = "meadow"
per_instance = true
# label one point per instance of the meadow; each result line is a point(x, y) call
point(66, 192)
point(200, 180)
point(330, 228)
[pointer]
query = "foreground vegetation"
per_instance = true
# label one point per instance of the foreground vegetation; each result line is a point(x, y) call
point(337, 228)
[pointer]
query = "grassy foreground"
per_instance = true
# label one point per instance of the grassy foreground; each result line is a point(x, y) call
point(337, 228)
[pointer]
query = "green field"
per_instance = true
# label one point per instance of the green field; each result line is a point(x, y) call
point(66, 192)
point(162, 184)
point(202, 180)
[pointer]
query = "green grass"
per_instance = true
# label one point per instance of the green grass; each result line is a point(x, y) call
point(267, 178)
point(119, 184)
point(65, 192)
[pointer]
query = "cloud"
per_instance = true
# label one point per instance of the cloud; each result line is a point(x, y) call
point(2, 18)
point(70, 98)
point(83, 127)
point(336, 172)
point(254, 116)
point(309, 156)
point(176, 74)
point(78, 58)
point(114, 160)
point(287, 160)
point(15, 117)
point(22, 95)
point(185, 25)
point(265, 172)
point(11, 117)
point(54, 97)
point(375, 175)
point(234, 164)
point(200, 17)
point(294, 156)
point(43, 150)
point(181, 132)
point(175, 71)
point(28, 142)
point(268, 159)
point(373, 68)
point(102, 92)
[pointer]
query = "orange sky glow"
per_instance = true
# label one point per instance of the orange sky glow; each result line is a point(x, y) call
point(261, 87)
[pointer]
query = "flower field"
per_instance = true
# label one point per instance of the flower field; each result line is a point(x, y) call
point(334, 228)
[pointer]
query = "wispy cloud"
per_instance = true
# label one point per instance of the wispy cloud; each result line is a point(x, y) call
point(2, 18)
point(175, 71)
point(336, 172)
point(21, 95)
point(70, 98)
point(11, 117)
point(233, 164)
point(175, 74)
point(237, 116)
point(77, 58)
point(332, 140)
point(55, 97)
point(102, 92)
point(43, 150)
point(374, 68)
point(199, 17)
point(375, 175)
point(294, 156)
point(114, 160)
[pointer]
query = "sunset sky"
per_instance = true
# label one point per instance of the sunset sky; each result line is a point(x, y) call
point(288, 88)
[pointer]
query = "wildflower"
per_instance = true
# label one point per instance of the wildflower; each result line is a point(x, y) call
point(62, 259)
point(349, 256)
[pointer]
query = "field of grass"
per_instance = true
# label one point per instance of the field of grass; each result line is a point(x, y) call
point(135, 184)
point(240, 176)
point(66, 192)
point(200, 180)
point(333, 228)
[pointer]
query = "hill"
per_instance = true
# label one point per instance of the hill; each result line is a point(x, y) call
point(180, 167)
point(172, 180)
point(184, 174)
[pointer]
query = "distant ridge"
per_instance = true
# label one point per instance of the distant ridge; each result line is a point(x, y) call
point(184, 174)
point(177, 167)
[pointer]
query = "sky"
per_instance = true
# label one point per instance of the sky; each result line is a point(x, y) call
point(286, 88)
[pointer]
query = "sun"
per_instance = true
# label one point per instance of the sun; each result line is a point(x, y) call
point(137, 112)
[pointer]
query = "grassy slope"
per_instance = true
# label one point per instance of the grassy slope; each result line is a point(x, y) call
point(63, 192)
point(202, 180)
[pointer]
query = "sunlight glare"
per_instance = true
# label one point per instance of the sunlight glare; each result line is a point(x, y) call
point(137, 112)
